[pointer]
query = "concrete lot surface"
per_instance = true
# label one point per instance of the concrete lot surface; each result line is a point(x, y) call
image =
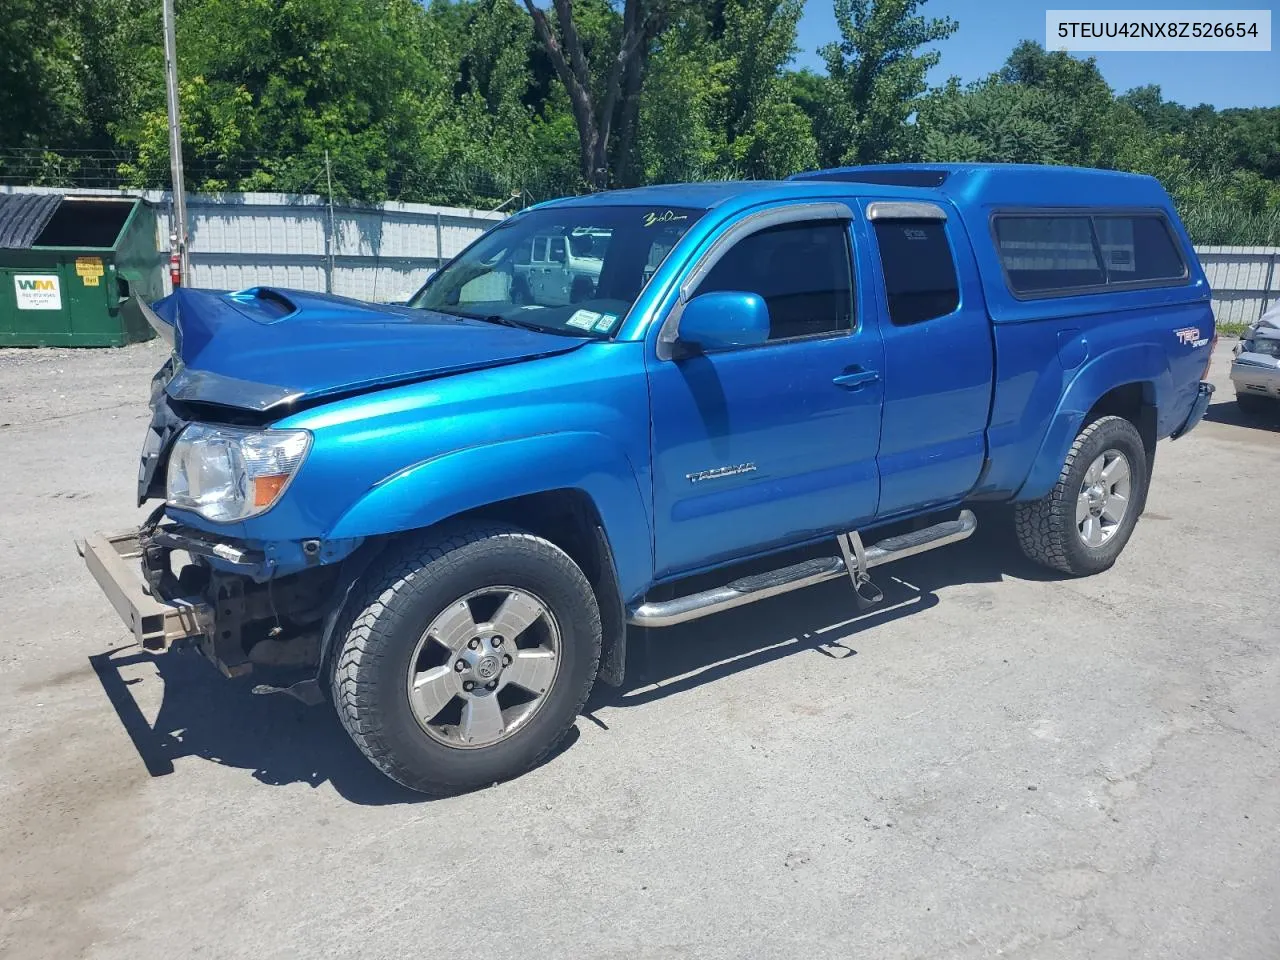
point(997, 763)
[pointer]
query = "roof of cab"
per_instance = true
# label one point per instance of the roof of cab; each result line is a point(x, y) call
point(1006, 184)
point(967, 184)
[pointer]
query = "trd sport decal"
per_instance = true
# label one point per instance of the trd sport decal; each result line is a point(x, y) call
point(1190, 336)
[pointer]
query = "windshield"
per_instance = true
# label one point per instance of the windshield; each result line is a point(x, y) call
point(1264, 345)
point(572, 270)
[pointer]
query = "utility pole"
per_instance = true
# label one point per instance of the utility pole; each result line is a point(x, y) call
point(179, 231)
point(333, 239)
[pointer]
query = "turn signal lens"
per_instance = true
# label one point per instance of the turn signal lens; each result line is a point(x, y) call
point(267, 489)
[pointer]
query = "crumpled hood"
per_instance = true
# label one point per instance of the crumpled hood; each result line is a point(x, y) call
point(267, 349)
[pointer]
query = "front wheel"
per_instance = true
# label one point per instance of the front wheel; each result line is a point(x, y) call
point(1084, 522)
point(467, 659)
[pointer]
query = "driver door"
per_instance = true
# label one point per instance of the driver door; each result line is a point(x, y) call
point(766, 446)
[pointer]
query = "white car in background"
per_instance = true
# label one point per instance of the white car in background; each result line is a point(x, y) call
point(557, 269)
point(1255, 371)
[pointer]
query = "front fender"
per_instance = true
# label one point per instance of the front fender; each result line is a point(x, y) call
point(1144, 363)
point(462, 480)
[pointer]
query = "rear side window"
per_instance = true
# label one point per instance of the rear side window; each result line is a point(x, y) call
point(1079, 253)
point(919, 270)
point(1048, 253)
point(1138, 249)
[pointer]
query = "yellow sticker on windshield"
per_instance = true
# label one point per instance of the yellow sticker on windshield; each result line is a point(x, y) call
point(663, 216)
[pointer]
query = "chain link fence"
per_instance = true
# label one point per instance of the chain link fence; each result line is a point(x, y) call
point(457, 184)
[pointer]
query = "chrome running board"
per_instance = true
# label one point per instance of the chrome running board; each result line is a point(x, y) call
point(807, 573)
point(920, 541)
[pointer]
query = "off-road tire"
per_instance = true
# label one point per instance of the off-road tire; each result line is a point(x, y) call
point(399, 596)
point(1046, 528)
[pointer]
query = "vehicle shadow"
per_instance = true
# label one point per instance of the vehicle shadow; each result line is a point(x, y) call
point(281, 741)
point(1229, 412)
point(825, 619)
point(278, 739)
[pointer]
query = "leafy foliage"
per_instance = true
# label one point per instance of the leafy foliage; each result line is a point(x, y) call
point(469, 102)
point(1042, 107)
point(876, 77)
point(717, 104)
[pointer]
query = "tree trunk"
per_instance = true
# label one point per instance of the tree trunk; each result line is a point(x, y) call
point(594, 122)
point(629, 111)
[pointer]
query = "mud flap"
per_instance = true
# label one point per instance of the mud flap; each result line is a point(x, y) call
point(613, 616)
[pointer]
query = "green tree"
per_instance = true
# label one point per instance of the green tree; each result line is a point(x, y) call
point(876, 77)
point(766, 134)
point(268, 86)
point(68, 71)
point(990, 122)
point(600, 59)
point(717, 99)
point(505, 130)
point(1080, 98)
point(1040, 107)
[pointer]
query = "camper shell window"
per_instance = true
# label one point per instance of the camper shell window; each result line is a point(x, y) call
point(1068, 253)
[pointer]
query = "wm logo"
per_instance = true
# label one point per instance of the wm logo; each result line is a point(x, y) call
point(35, 284)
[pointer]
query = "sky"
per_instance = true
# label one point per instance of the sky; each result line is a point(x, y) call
point(989, 30)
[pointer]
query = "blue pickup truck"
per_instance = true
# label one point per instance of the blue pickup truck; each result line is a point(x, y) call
point(442, 516)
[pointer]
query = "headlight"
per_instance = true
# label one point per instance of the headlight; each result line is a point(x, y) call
point(229, 473)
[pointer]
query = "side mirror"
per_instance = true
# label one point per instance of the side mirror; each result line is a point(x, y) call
point(727, 318)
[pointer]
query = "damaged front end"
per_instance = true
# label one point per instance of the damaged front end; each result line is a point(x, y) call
point(161, 583)
point(236, 562)
point(247, 606)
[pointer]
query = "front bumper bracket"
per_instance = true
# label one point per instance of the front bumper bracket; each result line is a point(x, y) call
point(115, 562)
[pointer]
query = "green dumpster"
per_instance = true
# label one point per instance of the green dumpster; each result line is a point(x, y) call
point(68, 265)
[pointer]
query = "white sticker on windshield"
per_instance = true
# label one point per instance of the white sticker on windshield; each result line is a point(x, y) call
point(533, 306)
point(583, 319)
point(606, 322)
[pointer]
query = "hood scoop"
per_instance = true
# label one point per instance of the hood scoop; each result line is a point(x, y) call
point(264, 304)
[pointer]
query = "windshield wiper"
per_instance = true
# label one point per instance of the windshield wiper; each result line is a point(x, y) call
point(506, 321)
point(486, 318)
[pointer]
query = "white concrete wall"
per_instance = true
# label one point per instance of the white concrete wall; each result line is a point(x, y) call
point(381, 252)
point(385, 252)
point(1245, 280)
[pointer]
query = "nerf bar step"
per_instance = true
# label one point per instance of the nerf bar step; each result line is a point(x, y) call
point(668, 613)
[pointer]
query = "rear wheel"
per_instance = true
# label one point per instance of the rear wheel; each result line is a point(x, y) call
point(1084, 522)
point(468, 658)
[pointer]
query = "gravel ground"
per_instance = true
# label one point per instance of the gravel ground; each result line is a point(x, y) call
point(995, 763)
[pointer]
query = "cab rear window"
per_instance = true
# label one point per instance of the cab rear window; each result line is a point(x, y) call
point(1066, 254)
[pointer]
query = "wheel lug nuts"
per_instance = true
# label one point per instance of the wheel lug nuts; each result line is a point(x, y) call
point(491, 685)
point(475, 643)
point(497, 641)
point(460, 665)
point(506, 660)
point(468, 686)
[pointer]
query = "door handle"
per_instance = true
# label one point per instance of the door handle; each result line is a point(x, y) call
point(856, 379)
